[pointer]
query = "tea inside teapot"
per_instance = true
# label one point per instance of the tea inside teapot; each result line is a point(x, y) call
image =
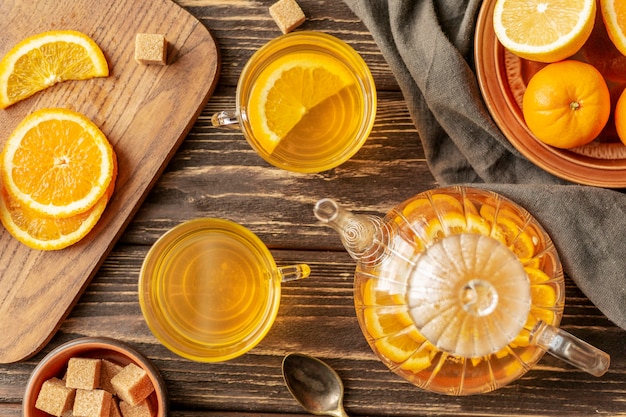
point(458, 290)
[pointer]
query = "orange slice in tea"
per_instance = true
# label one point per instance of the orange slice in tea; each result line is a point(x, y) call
point(536, 275)
point(382, 321)
point(372, 296)
point(422, 357)
point(57, 163)
point(403, 348)
point(477, 224)
point(544, 300)
point(43, 60)
point(288, 89)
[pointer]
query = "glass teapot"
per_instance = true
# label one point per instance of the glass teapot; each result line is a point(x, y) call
point(458, 290)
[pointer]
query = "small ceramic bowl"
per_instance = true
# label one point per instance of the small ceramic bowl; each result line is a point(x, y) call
point(55, 364)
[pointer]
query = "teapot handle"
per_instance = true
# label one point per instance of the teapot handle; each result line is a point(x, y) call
point(570, 349)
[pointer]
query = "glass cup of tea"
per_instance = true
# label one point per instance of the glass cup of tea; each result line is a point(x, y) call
point(305, 102)
point(209, 289)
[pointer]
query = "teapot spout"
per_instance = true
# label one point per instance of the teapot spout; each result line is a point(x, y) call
point(363, 236)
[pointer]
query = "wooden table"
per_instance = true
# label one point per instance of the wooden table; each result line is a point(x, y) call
point(216, 174)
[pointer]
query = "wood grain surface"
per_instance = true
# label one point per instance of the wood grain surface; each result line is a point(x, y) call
point(145, 111)
point(215, 173)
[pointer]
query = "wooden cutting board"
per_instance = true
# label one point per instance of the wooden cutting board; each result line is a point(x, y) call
point(145, 111)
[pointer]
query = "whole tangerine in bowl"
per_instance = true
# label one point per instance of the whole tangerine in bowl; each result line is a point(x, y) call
point(620, 117)
point(566, 104)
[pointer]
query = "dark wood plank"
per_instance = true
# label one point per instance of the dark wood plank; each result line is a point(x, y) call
point(215, 173)
point(317, 317)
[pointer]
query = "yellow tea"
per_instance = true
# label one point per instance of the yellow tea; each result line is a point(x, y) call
point(307, 102)
point(210, 290)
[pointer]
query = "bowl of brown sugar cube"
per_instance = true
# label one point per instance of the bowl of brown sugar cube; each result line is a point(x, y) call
point(95, 377)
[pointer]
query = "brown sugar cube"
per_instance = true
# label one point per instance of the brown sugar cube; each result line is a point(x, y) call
point(115, 408)
point(92, 403)
point(143, 409)
point(107, 371)
point(287, 14)
point(83, 373)
point(150, 49)
point(55, 398)
point(132, 384)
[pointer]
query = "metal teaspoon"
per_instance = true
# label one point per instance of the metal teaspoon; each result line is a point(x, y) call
point(314, 384)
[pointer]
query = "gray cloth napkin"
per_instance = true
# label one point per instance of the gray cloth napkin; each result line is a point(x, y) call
point(429, 46)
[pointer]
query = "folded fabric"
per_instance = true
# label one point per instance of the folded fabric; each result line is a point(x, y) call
point(428, 46)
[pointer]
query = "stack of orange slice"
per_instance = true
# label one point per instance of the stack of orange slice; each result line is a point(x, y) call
point(57, 168)
point(58, 171)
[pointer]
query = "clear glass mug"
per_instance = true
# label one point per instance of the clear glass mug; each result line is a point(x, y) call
point(209, 289)
point(293, 126)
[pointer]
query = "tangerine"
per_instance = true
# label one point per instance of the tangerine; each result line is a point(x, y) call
point(566, 104)
point(620, 117)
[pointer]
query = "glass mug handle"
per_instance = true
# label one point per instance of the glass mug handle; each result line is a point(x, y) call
point(225, 119)
point(570, 349)
point(293, 272)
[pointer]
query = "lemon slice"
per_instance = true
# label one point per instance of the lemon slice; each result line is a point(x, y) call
point(43, 60)
point(288, 88)
point(544, 30)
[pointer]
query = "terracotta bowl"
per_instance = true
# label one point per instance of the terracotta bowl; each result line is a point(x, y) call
point(503, 78)
point(55, 364)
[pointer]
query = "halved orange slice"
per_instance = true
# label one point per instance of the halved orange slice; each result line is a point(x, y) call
point(288, 88)
point(42, 60)
point(614, 16)
point(546, 30)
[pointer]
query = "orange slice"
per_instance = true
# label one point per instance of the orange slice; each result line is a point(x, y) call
point(543, 295)
point(381, 322)
point(372, 296)
point(536, 275)
point(43, 60)
point(614, 16)
point(544, 300)
point(397, 347)
point(57, 163)
point(477, 224)
point(288, 88)
point(47, 233)
point(403, 348)
point(546, 30)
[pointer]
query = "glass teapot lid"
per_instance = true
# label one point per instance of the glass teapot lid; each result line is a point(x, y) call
point(469, 295)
